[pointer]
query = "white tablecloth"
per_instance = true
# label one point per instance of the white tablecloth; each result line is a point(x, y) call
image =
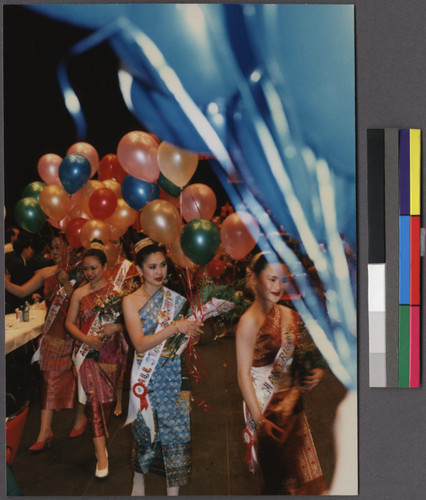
point(19, 333)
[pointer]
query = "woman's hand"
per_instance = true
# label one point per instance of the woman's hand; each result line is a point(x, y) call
point(266, 428)
point(192, 328)
point(63, 277)
point(109, 330)
point(313, 379)
point(94, 342)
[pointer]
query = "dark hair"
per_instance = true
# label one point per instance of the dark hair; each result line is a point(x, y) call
point(24, 240)
point(261, 260)
point(96, 252)
point(9, 233)
point(146, 251)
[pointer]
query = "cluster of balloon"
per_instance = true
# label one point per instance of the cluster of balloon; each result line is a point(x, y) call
point(146, 176)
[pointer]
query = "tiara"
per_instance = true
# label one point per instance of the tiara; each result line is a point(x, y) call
point(97, 246)
point(143, 243)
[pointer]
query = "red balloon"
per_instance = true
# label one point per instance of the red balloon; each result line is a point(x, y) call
point(72, 232)
point(110, 168)
point(102, 203)
point(216, 268)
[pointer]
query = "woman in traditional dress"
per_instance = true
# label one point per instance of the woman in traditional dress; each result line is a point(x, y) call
point(159, 399)
point(98, 352)
point(58, 385)
point(271, 342)
point(126, 271)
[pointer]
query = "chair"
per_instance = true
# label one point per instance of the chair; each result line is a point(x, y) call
point(14, 428)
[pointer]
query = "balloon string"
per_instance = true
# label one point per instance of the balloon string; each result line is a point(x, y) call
point(197, 371)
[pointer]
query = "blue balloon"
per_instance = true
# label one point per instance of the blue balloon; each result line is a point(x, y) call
point(74, 172)
point(136, 192)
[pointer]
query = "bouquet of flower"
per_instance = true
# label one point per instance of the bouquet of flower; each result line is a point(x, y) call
point(212, 301)
point(110, 310)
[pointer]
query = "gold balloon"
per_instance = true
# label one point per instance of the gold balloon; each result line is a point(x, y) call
point(95, 229)
point(160, 220)
point(111, 252)
point(178, 256)
point(177, 165)
point(55, 202)
point(116, 233)
point(124, 216)
point(114, 186)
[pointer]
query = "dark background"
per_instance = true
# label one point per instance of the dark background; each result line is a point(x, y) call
point(36, 119)
point(391, 92)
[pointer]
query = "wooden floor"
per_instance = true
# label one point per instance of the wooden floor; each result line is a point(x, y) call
point(218, 467)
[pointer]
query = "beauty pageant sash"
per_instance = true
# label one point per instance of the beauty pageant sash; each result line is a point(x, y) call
point(265, 379)
point(55, 307)
point(141, 375)
point(96, 329)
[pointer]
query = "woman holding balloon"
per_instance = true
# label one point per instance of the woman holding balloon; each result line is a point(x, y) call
point(159, 399)
point(272, 344)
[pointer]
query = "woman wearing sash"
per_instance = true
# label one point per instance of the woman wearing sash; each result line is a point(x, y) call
point(159, 403)
point(58, 383)
point(270, 339)
point(125, 271)
point(98, 352)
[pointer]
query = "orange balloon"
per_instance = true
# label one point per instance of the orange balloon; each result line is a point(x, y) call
point(114, 186)
point(89, 152)
point(177, 164)
point(198, 202)
point(111, 252)
point(137, 154)
point(117, 233)
point(95, 229)
point(178, 256)
point(81, 197)
point(62, 224)
point(55, 202)
point(160, 220)
point(239, 233)
point(123, 217)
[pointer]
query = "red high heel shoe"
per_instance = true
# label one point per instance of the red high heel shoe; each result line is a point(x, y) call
point(40, 446)
point(78, 432)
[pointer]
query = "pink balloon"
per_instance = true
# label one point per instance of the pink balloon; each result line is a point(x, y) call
point(239, 233)
point(89, 152)
point(137, 154)
point(61, 225)
point(198, 202)
point(48, 168)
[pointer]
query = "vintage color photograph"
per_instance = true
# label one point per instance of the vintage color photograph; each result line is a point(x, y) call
point(180, 249)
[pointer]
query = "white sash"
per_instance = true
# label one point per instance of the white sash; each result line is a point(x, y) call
point(55, 307)
point(141, 375)
point(96, 329)
point(264, 380)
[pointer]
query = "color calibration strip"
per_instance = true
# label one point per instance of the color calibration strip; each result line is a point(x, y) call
point(394, 185)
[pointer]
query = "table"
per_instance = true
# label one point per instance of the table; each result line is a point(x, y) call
point(19, 333)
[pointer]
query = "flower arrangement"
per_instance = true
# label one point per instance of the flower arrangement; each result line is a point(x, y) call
point(111, 310)
point(212, 300)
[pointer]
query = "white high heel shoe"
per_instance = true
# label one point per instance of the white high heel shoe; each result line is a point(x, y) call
point(102, 473)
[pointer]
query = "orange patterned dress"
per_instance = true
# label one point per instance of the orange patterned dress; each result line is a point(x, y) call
point(288, 462)
point(59, 383)
point(99, 376)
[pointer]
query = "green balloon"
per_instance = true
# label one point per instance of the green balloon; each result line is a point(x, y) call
point(33, 190)
point(200, 240)
point(168, 186)
point(29, 215)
